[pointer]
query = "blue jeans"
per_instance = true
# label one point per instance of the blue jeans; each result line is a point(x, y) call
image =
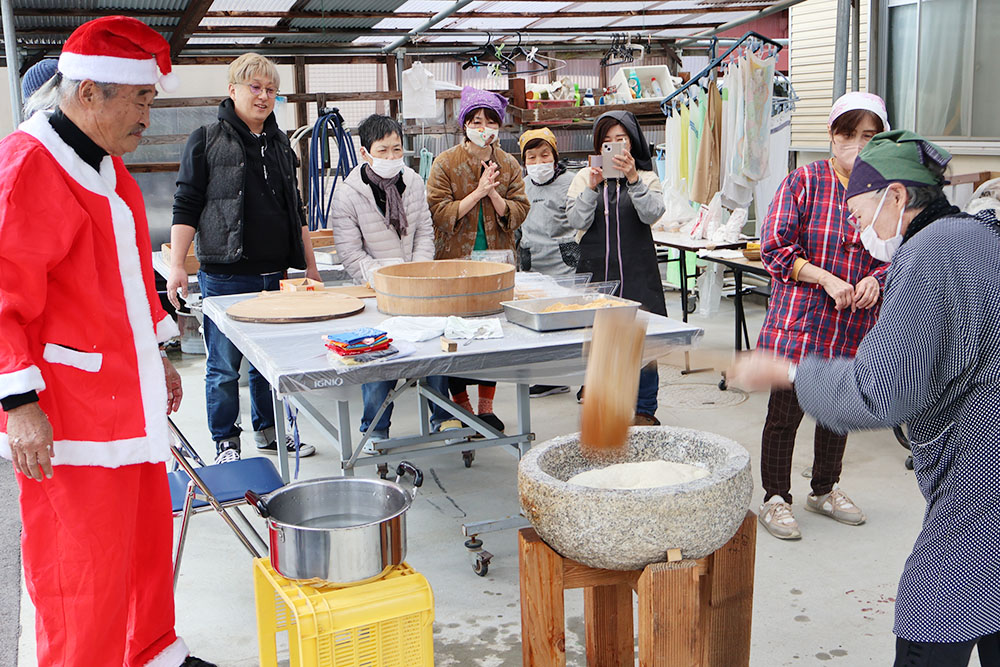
point(222, 368)
point(649, 387)
point(374, 394)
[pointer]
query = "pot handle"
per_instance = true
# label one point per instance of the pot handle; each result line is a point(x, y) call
point(257, 502)
point(407, 467)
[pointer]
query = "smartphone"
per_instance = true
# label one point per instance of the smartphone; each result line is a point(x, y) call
point(608, 152)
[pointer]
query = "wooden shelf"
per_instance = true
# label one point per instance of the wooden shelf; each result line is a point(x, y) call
point(650, 109)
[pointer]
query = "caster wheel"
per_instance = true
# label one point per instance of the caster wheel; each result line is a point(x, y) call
point(383, 470)
point(909, 463)
point(481, 567)
point(468, 457)
point(723, 385)
point(692, 304)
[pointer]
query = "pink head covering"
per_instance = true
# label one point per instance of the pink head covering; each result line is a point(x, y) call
point(474, 98)
point(858, 100)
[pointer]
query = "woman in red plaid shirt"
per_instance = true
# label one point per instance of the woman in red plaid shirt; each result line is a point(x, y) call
point(824, 291)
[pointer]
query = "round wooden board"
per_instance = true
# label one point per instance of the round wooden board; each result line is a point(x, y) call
point(292, 307)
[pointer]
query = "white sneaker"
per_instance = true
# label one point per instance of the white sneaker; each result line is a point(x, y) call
point(777, 518)
point(837, 506)
point(228, 454)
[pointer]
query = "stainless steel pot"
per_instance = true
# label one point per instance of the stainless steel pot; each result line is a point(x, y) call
point(338, 529)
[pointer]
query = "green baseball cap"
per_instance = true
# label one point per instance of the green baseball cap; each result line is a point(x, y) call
point(899, 156)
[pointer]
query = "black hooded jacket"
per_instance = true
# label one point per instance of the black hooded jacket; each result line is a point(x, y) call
point(238, 191)
point(619, 245)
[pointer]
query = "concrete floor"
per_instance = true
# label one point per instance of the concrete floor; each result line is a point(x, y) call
point(825, 599)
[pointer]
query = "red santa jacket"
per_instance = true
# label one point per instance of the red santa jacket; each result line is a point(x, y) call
point(79, 315)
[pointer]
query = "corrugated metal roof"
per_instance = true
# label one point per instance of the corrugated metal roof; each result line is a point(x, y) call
point(355, 30)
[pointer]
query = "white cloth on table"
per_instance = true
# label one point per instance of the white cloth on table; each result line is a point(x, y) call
point(414, 329)
point(460, 328)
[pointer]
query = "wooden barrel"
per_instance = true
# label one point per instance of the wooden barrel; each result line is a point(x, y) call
point(443, 287)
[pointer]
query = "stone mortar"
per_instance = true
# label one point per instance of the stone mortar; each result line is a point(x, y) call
point(627, 529)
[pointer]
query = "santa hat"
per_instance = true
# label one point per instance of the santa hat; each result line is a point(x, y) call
point(118, 49)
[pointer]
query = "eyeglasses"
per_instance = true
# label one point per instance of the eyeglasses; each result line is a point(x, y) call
point(850, 245)
point(257, 89)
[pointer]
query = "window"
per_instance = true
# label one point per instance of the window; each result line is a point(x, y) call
point(938, 57)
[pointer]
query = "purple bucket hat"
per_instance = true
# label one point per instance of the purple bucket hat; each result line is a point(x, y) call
point(474, 98)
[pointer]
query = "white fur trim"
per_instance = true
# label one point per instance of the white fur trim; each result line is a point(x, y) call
point(108, 69)
point(21, 382)
point(152, 384)
point(172, 656)
point(113, 454)
point(166, 329)
point(169, 82)
point(85, 361)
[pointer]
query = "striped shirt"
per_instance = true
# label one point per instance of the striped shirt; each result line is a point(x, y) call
point(807, 219)
point(932, 361)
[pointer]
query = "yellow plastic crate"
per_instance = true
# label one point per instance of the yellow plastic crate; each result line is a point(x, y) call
point(384, 623)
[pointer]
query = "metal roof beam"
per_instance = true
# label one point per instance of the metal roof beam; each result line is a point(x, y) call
point(342, 15)
point(192, 16)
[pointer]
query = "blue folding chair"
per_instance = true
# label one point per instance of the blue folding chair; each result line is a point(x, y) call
point(220, 487)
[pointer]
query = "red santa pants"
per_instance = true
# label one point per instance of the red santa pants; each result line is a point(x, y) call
point(97, 546)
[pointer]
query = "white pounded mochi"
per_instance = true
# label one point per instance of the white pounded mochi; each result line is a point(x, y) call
point(639, 475)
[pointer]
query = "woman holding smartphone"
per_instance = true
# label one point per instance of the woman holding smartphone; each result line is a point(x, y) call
point(615, 208)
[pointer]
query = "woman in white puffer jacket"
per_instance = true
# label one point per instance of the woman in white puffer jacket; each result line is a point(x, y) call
point(362, 216)
point(380, 213)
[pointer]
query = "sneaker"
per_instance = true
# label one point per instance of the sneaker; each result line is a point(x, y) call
point(371, 447)
point(579, 396)
point(776, 516)
point(837, 506)
point(227, 451)
point(539, 390)
point(449, 425)
point(642, 419)
point(272, 448)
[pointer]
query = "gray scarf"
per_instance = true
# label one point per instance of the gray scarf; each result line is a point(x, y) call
point(395, 215)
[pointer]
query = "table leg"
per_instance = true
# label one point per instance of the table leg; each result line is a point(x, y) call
point(543, 612)
point(524, 416)
point(738, 274)
point(607, 612)
point(669, 615)
point(342, 421)
point(423, 410)
point(280, 435)
point(684, 285)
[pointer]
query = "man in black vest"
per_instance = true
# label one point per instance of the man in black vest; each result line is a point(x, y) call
point(238, 201)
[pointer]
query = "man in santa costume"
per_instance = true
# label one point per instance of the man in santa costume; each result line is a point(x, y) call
point(84, 388)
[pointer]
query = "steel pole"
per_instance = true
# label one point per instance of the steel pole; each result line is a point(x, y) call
point(13, 64)
point(843, 34)
point(433, 21)
point(856, 45)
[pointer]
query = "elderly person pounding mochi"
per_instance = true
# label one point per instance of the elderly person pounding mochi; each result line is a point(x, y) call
point(931, 361)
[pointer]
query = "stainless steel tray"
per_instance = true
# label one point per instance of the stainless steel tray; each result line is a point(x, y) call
point(527, 312)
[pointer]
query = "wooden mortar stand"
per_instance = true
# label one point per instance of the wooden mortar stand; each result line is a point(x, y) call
point(692, 613)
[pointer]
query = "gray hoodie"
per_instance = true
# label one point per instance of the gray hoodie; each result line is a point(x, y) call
point(548, 243)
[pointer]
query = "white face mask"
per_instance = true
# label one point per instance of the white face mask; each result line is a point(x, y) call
point(541, 173)
point(882, 249)
point(385, 168)
point(481, 136)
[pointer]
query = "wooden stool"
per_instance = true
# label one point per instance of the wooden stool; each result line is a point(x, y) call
point(692, 613)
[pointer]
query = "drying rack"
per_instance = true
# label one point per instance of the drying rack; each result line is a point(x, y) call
point(751, 36)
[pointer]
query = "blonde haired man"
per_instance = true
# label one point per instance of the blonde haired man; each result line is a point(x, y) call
point(238, 201)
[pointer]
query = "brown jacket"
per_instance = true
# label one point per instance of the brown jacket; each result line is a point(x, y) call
point(454, 174)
